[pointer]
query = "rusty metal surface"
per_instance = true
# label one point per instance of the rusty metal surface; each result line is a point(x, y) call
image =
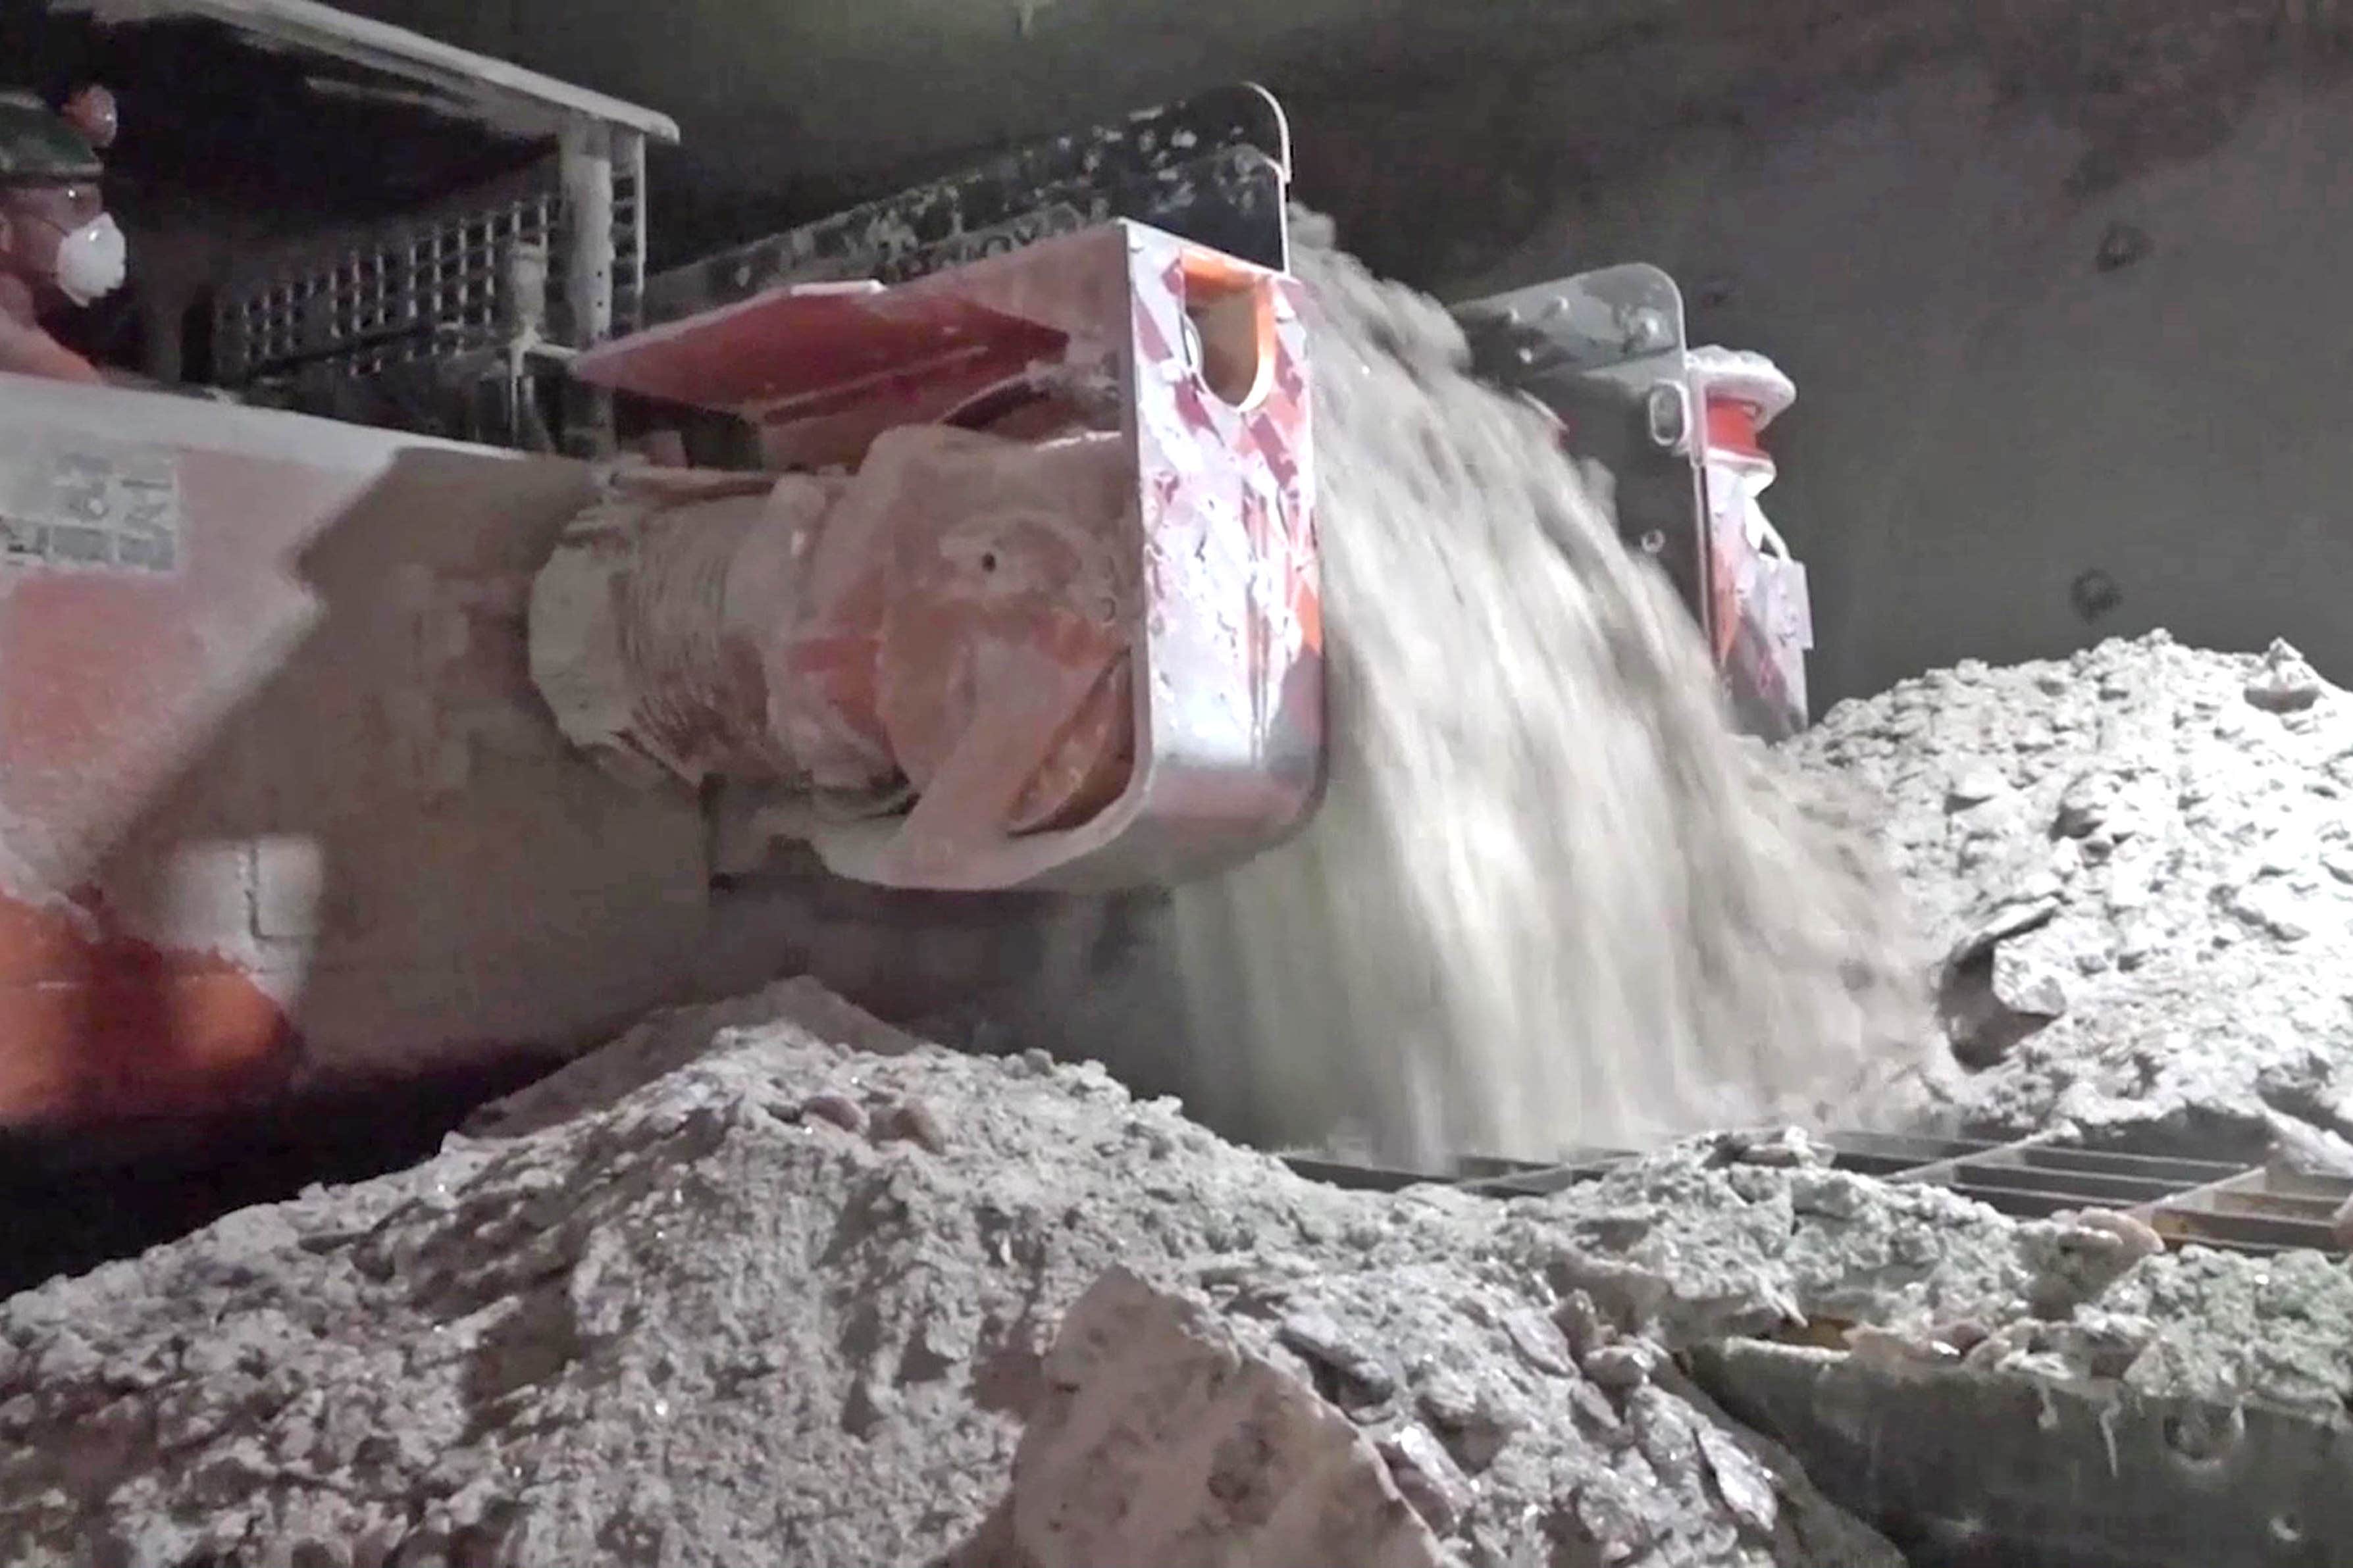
point(1003, 676)
point(786, 354)
point(651, 627)
point(2207, 1203)
point(952, 624)
point(1091, 623)
point(2261, 1210)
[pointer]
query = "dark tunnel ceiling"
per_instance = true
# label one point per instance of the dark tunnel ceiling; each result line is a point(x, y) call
point(209, 117)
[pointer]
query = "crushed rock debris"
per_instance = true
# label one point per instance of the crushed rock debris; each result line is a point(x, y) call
point(2136, 866)
point(696, 1301)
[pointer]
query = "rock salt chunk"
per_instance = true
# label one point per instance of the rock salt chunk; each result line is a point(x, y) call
point(2284, 683)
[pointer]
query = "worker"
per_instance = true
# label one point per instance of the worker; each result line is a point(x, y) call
point(58, 245)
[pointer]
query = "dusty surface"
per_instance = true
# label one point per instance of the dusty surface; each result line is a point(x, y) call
point(1548, 900)
point(1143, 1384)
point(2136, 866)
point(784, 1300)
point(786, 1303)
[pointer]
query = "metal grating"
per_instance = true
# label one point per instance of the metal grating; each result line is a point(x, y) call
point(629, 243)
point(1213, 169)
point(2210, 1203)
point(428, 287)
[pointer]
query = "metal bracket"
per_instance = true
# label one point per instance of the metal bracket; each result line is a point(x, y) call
point(1605, 353)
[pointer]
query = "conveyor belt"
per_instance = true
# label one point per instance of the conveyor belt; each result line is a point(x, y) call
point(2217, 1204)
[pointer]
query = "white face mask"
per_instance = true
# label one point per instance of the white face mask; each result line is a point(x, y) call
point(92, 260)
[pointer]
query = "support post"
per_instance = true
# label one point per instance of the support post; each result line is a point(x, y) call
point(587, 173)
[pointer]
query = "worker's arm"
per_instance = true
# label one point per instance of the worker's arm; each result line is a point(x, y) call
point(26, 349)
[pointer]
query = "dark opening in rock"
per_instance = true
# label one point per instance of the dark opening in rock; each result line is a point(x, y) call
point(1984, 1028)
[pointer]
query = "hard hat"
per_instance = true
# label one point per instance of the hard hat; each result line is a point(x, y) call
point(92, 111)
point(39, 148)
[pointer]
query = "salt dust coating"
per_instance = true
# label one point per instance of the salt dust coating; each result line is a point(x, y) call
point(1548, 900)
point(2135, 867)
point(737, 1290)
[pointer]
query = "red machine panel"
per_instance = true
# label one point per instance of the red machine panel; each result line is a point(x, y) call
point(279, 804)
point(1142, 665)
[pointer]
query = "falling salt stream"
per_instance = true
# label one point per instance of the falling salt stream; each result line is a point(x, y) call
point(1550, 899)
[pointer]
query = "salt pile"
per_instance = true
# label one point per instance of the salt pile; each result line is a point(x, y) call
point(1549, 899)
point(2136, 866)
point(737, 1290)
point(791, 1302)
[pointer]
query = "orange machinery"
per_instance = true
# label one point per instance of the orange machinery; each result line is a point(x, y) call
point(994, 573)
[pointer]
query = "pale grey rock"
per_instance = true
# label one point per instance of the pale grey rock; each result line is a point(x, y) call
point(742, 1309)
point(687, 1321)
point(2149, 934)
